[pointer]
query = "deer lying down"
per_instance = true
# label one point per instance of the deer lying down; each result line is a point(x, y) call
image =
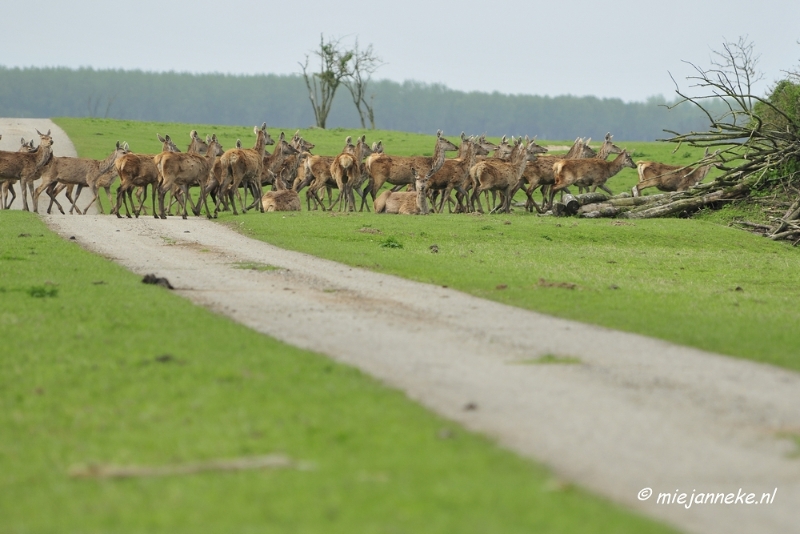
point(671, 177)
point(405, 202)
point(282, 199)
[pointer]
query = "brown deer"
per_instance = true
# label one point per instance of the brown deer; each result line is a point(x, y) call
point(64, 171)
point(503, 176)
point(197, 146)
point(104, 181)
point(405, 202)
point(454, 174)
point(318, 176)
point(672, 177)
point(540, 173)
point(139, 171)
point(396, 170)
point(27, 166)
point(179, 171)
point(7, 187)
point(292, 166)
point(273, 163)
point(282, 199)
point(591, 172)
point(347, 170)
point(243, 166)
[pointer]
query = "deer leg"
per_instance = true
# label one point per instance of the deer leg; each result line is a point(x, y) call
point(606, 189)
point(8, 187)
point(75, 202)
point(51, 191)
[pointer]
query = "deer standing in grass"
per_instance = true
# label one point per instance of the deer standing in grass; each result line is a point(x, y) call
point(503, 176)
point(177, 170)
point(273, 163)
point(347, 170)
point(592, 172)
point(7, 187)
point(242, 166)
point(82, 172)
point(405, 202)
point(672, 177)
point(454, 174)
point(318, 176)
point(139, 171)
point(540, 173)
point(27, 167)
point(396, 170)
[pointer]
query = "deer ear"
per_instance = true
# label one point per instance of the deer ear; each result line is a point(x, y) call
point(161, 138)
point(282, 137)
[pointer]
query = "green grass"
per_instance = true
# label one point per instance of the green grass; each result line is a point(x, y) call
point(98, 368)
point(692, 282)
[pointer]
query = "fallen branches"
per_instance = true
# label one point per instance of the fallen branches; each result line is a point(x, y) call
point(271, 461)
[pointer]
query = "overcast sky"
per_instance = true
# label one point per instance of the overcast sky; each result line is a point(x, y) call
point(613, 49)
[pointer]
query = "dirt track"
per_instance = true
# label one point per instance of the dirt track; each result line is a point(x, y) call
point(634, 413)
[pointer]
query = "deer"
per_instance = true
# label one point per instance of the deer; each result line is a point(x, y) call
point(454, 174)
point(590, 172)
point(139, 170)
point(291, 167)
point(348, 171)
point(282, 199)
point(243, 166)
point(503, 176)
point(179, 170)
point(318, 175)
point(64, 171)
point(8, 185)
point(405, 202)
point(27, 167)
point(273, 163)
point(197, 145)
point(672, 177)
point(396, 170)
point(540, 173)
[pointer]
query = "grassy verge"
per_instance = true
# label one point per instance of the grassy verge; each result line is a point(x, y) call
point(99, 368)
point(691, 282)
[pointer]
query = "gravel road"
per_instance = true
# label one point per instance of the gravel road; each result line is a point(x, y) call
point(633, 413)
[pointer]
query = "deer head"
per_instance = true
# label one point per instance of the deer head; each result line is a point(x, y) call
point(166, 144)
point(533, 148)
point(45, 140)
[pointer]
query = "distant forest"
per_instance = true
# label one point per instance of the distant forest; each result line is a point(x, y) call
point(283, 101)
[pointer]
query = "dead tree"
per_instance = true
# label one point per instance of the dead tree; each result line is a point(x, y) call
point(364, 63)
point(334, 67)
point(758, 139)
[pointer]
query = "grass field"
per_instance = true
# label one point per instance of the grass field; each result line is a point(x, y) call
point(99, 369)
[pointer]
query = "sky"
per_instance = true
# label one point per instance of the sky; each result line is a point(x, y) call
point(623, 49)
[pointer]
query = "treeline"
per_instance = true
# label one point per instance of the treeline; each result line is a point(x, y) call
point(283, 101)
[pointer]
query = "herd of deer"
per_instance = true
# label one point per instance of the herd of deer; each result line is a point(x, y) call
point(518, 164)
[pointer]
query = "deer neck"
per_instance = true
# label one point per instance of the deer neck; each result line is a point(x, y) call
point(44, 154)
point(438, 158)
point(422, 200)
point(616, 164)
point(109, 162)
point(261, 142)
